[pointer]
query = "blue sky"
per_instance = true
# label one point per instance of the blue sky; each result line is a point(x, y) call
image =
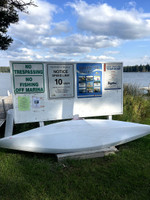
point(82, 31)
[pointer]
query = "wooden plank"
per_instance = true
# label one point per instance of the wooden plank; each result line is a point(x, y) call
point(5, 104)
point(2, 111)
point(2, 122)
point(87, 154)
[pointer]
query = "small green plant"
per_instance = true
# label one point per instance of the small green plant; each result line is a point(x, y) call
point(136, 108)
point(132, 89)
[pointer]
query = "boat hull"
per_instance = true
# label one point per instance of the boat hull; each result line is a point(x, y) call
point(75, 136)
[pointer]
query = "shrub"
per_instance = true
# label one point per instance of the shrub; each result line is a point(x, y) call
point(136, 107)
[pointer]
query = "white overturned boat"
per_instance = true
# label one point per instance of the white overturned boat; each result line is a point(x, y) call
point(75, 136)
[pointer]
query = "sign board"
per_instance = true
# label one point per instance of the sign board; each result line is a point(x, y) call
point(113, 76)
point(89, 78)
point(28, 78)
point(61, 81)
point(44, 91)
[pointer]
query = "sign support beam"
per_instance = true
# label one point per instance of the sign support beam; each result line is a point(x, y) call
point(9, 123)
point(109, 117)
point(41, 124)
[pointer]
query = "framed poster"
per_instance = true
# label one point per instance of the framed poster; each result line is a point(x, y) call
point(113, 76)
point(89, 80)
point(60, 80)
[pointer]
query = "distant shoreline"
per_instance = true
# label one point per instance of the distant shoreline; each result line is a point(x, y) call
point(4, 69)
point(136, 68)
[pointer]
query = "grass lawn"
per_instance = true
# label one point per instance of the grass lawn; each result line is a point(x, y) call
point(123, 176)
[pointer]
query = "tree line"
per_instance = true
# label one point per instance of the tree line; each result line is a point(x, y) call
point(137, 68)
point(4, 69)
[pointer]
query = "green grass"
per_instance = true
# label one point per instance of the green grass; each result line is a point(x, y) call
point(39, 177)
point(123, 176)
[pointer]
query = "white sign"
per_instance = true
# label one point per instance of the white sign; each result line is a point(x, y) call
point(61, 81)
point(44, 91)
point(113, 76)
point(28, 78)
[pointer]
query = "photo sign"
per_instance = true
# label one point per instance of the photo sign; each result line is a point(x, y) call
point(28, 78)
point(89, 80)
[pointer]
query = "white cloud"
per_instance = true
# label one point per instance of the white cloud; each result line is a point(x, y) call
point(40, 35)
point(78, 43)
point(42, 13)
point(145, 59)
point(99, 58)
point(60, 27)
point(22, 54)
point(111, 52)
point(27, 52)
point(132, 4)
point(102, 19)
point(38, 24)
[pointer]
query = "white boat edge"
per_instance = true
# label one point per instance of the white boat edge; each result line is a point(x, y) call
point(106, 133)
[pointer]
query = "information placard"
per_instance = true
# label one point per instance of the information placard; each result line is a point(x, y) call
point(61, 81)
point(113, 76)
point(28, 78)
point(89, 80)
point(23, 103)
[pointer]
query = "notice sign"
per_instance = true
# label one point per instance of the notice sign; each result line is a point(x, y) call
point(24, 103)
point(28, 78)
point(113, 76)
point(89, 80)
point(61, 80)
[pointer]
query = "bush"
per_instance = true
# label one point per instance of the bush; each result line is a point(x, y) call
point(136, 107)
point(4, 70)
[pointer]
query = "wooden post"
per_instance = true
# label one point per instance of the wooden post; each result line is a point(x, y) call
point(4, 109)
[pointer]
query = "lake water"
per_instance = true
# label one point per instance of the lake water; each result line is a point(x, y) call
point(141, 79)
point(5, 83)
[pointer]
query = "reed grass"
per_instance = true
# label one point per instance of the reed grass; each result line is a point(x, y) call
point(136, 106)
